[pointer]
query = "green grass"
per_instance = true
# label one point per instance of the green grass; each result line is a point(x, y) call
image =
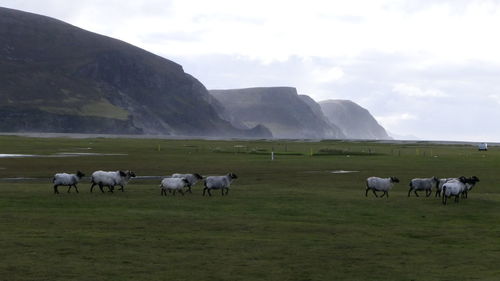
point(288, 219)
point(100, 108)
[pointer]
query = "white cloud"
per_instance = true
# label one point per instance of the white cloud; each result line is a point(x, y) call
point(414, 91)
point(394, 120)
point(325, 75)
point(495, 98)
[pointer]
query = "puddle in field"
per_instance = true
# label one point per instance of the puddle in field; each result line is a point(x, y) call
point(343, 172)
point(84, 179)
point(61, 154)
point(21, 179)
point(16, 155)
point(332, 172)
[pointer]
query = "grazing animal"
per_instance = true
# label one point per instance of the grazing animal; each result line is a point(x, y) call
point(191, 178)
point(173, 184)
point(423, 184)
point(469, 184)
point(218, 182)
point(380, 184)
point(453, 187)
point(68, 180)
point(439, 187)
point(110, 179)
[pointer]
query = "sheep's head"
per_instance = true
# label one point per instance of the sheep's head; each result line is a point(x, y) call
point(198, 176)
point(473, 179)
point(435, 179)
point(131, 174)
point(394, 179)
point(462, 179)
point(232, 176)
point(79, 174)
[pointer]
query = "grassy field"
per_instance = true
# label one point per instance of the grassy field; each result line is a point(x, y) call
point(287, 219)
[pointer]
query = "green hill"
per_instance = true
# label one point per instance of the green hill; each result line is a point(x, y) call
point(55, 77)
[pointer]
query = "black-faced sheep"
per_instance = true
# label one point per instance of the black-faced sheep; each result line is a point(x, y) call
point(380, 184)
point(68, 180)
point(219, 182)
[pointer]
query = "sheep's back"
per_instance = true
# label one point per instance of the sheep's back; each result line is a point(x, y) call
point(189, 177)
point(216, 182)
point(65, 179)
point(453, 188)
point(172, 183)
point(379, 183)
point(106, 178)
point(422, 183)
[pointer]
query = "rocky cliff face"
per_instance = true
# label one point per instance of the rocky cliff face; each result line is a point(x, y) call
point(60, 78)
point(355, 121)
point(280, 109)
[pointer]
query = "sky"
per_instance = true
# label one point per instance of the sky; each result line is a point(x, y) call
point(425, 69)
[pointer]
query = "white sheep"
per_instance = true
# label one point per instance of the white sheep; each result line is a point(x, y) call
point(122, 182)
point(191, 178)
point(380, 184)
point(173, 184)
point(110, 179)
point(439, 187)
point(470, 182)
point(218, 182)
point(423, 184)
point(68, 180)
point(453, 187)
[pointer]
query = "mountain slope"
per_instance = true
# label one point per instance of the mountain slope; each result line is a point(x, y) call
point(60, 78)
point(316, 108)
point(280, 109)
point(355, 121)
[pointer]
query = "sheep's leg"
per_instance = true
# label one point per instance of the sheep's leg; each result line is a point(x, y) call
point(121, 188)
point(437, 192)
point(56, 191)
point(415, 191)
point(222, 190)
point(456, 198)
point(100, 187)
point(189, 189)
point(428, 193)
point(374, 193)
point(69, 188)
point(208, 190)
point(409, 191)
point(182, 192)
point(366, 192)
point(92, 188)
point(227, 191)
point(173, 192)
point(76, 188)
point(444, 199)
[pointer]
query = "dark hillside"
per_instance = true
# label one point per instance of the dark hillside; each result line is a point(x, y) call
point(56, 77)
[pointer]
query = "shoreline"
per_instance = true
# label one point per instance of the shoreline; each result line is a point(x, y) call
point(170, 137)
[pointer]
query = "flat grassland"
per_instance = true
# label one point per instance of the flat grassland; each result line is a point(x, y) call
point(287, 219)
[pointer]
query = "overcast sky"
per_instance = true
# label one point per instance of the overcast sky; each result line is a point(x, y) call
point(425, 68)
